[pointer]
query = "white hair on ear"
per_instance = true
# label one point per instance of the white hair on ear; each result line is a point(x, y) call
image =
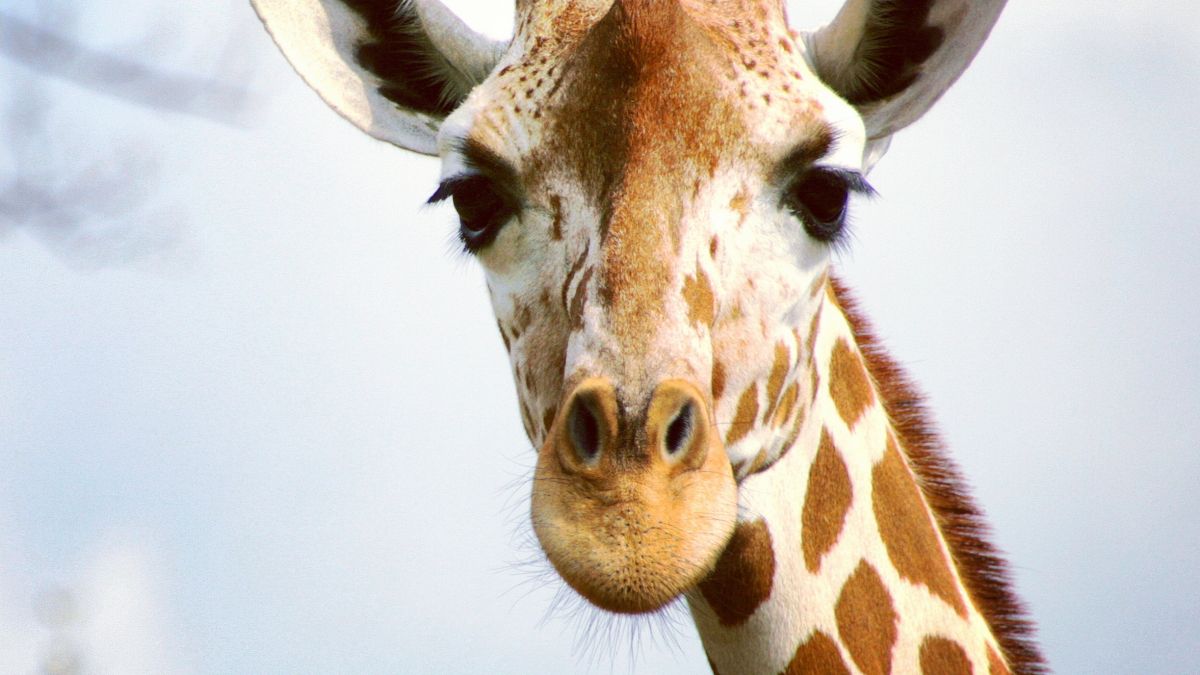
point(393, 69)
point(467, 56)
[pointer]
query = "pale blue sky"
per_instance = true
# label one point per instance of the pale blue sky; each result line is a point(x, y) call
point(231, 423)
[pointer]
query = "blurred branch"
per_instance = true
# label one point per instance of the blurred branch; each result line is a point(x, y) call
point(89, 185)
point(53, 55)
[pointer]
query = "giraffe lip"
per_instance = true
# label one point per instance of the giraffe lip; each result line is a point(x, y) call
point(628, 557)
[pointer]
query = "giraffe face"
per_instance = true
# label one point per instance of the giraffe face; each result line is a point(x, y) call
point(653, 191)
point(653, 188)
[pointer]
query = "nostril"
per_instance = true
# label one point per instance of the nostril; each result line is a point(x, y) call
point(679, 431)
point(585, 431)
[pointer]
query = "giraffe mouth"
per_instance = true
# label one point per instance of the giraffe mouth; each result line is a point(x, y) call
point(633, 510)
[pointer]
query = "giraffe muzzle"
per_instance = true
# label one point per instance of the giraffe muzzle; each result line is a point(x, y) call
point(633, 506)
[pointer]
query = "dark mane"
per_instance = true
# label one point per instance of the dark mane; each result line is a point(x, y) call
point(979, 563)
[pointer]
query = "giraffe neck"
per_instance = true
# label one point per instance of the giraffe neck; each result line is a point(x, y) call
point(853, 546)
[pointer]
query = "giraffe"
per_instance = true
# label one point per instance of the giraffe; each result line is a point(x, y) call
point(654, 189)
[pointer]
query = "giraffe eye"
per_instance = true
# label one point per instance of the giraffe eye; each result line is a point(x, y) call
point(819, 198)
point(482, 208)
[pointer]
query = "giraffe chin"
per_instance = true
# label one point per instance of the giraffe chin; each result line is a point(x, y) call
point(639, 517)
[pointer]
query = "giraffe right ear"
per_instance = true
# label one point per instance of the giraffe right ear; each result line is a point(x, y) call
point(893, 59)
point(395, 70)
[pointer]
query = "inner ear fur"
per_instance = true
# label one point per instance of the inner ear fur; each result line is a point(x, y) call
point(412, 72)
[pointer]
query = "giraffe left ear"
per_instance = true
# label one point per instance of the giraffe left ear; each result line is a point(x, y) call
point(892, 59)
point(394, 68)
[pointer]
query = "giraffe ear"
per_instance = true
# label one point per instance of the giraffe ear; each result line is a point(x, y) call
point(393, 69)
point(892, 59)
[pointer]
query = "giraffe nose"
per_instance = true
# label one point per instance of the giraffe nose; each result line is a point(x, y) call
point(633, 500)
point(673, 427)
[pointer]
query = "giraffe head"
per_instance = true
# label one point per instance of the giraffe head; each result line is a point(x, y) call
point(653, 189)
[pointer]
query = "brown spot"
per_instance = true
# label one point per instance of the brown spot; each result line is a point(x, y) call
point(548, 418)
point(908, 530)
point(503, 336)
point(815, 379)
point(697, 292)
point(848, 383)
point(866, 621)
point(576, 310)
point(712, 247)
point(812, 332)
point(575, 266)
point(740, 203)
point(817, 287)
point(718, 380)
point(797, 427)
point(524, 317)
point(786, 406)
point(995, 663)
point(940, 656)
point(760, 461)
point(527, 420)
point(741, 581)
point(556, 211)
point(744, 418)
point(779, 370)
point(818, 654)
point(826, 503)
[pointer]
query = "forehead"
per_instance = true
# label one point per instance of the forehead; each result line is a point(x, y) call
point(587, 88)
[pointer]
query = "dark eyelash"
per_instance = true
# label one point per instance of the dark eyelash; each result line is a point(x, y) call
point(853, 180)
point(856, 183)
point(445, 189)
